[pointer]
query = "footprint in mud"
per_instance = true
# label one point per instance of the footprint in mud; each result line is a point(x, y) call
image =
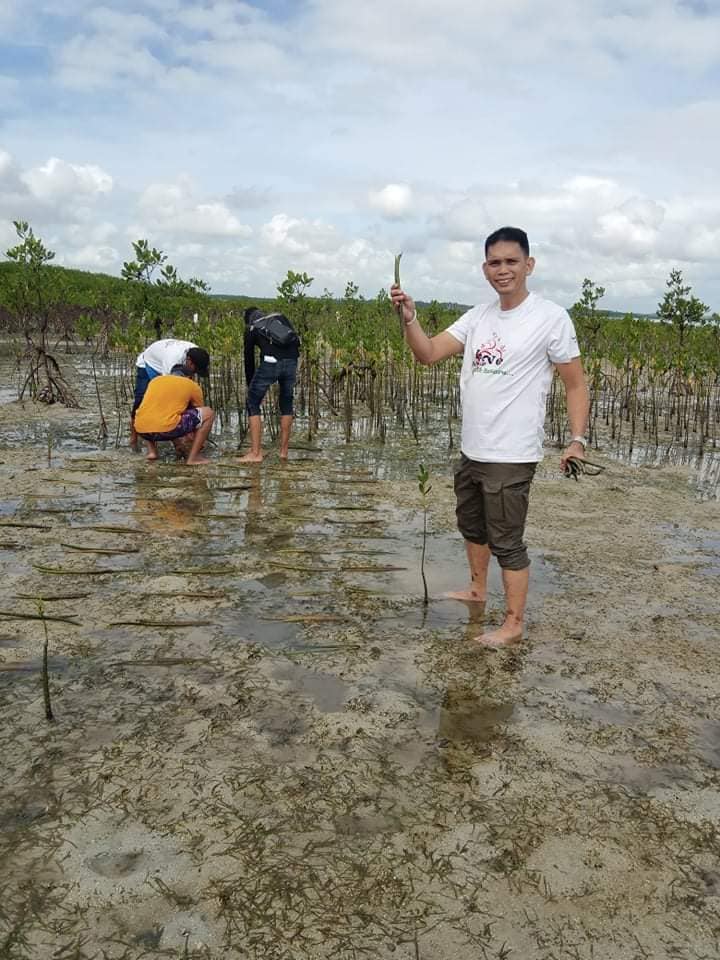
point(115, 865)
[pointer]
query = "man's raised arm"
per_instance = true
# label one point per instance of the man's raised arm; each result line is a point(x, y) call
point(425, 349)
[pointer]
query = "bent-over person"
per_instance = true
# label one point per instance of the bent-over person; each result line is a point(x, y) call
point(181, 357)
point(172, 409)
point(278, 364)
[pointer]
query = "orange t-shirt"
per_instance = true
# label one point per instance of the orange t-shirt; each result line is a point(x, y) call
point(165, 400)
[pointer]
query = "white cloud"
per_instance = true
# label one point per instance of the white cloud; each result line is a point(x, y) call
point(57, 180)
point(173, 208)
point(394, 200)
point(8, 237)
point(463, 220)
point(91, 62)
point(93, 257)
point(631, 229)
point(477, 35)
point(95, 232)
point(123, 23)
point(7, 166)
point(293, 236)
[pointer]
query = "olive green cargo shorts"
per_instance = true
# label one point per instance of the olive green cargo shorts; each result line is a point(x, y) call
point(492, 505)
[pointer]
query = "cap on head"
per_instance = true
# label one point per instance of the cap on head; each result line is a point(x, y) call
point(200, 359)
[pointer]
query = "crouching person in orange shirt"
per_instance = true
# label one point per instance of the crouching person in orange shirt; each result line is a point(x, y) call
point(172, 409)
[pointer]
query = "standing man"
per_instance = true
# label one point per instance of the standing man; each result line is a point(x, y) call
point(163, 357)
point(278, 364)
point(510, 348)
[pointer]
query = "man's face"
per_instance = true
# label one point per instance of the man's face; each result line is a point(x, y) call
point(507, 268)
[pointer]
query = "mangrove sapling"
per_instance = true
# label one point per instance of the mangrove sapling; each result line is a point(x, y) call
point(45, 678)
point(424, 487)
point(36, 295)
point(103, 429)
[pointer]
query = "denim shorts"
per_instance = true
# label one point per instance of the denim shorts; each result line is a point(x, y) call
point(142, 379)
point(492, 505)
point(190, 420)
point(282, 372)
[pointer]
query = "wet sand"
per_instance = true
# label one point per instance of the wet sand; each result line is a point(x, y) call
point(266, 747)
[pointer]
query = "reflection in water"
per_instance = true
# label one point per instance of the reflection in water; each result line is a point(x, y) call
point(469, 726)
point(166, 516)
point(464, 716)
point(704, 468)
point(253, 508)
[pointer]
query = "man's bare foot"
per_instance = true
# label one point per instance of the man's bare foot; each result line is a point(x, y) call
point(250, 458)
point(196, 461)
point(467, 596)
point(505, 636)
point(151, 456)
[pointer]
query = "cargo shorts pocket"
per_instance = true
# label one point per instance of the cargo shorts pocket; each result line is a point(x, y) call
point(506, 505)
point(493, 493)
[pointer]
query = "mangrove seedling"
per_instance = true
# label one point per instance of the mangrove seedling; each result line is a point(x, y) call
point(424, 487)
point(45, 678)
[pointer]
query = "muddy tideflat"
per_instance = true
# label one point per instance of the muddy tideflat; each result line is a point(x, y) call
point(322, 767)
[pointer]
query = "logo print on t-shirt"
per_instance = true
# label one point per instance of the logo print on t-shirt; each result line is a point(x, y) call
point(489, 354)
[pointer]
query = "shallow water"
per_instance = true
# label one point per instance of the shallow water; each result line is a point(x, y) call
point(703, 468)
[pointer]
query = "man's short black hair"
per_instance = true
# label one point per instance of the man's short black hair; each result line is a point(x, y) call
point(250, 314)
point(509, 235)
point(201, 359)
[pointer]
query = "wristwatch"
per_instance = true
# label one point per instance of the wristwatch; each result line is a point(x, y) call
point(579, 439)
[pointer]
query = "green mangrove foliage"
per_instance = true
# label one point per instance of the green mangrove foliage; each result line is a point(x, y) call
point(147, 295)
point(651, 379)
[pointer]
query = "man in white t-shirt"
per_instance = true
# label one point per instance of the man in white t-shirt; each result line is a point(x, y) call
point(161, 358)
point(510, 348)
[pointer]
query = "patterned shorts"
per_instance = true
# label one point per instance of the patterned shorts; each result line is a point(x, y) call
point(190, 420)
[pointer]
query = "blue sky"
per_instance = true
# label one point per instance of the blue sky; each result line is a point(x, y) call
point(246, 139)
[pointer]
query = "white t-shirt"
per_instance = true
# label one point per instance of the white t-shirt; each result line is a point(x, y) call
point(506, 374)
point(163, 355)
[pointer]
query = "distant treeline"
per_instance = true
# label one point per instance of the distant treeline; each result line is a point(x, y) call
point(75, 293)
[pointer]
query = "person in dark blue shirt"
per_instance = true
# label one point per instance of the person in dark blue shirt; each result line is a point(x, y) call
point(278, 364)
